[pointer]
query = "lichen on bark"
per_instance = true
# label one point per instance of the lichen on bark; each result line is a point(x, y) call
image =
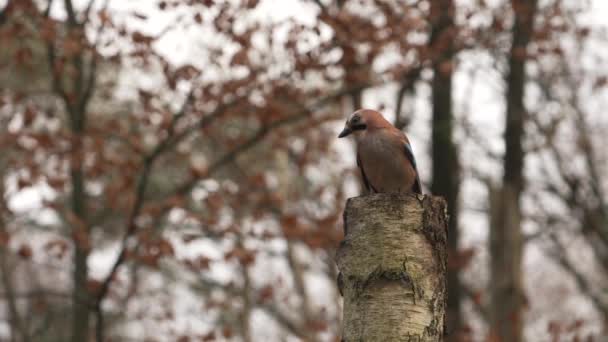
point(393, 264)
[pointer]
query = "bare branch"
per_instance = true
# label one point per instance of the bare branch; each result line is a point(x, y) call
point(269, 308)
point(479, 307)
point(140, 190)
point(274, 312)
point(320, 4)
point(185, 188)
point(87, 11)
point(3, 11)
point(14, 317)
point(302, 113)
point(69, 8)
point(89, 86)
point(47, 11)
point(581, 281)
point(56, 81)
point(408, 82)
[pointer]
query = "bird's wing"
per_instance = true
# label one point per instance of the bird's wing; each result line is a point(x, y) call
point(409, 153)
point(368, 186)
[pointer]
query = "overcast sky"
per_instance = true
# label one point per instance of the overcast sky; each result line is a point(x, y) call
point(485, 93)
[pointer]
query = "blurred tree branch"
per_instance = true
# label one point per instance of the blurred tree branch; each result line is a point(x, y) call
point(561, 255)
point(18, 330)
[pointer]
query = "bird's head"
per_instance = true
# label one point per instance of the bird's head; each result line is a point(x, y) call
point(362, 120)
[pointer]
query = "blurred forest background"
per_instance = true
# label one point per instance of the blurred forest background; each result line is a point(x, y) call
point(170, 169)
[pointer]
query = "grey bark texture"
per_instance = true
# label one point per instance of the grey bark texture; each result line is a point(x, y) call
point(393, 268)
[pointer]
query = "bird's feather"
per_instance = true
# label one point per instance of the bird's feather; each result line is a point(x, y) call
point(409, 153)
point(368, 186)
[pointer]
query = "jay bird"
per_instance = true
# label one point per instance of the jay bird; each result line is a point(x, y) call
point(384, 154)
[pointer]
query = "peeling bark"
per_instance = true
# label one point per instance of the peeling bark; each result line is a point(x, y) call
point(393, 268)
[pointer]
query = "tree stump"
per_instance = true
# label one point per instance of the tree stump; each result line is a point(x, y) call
point(393, 268)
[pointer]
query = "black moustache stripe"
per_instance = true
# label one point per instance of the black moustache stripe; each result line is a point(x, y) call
point(359, 127)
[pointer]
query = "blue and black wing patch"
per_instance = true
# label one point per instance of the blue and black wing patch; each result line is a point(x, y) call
point(409, 153)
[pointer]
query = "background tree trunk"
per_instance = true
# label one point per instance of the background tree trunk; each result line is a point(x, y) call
point(508, 299)
point(446, 168)
point(393, 264)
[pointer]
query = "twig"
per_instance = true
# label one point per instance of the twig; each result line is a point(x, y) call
point(140, 190)
point(69, 8)
point(261, 134)
point(47, 11)
point(580, 280)
point(481, 309)
point(408, 81)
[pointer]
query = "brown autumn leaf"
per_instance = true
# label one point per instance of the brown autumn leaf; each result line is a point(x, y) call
point(81, 238)
point(316, 239)
point(266, 293)
point(317, 325)
point(29, 114)
point(23, 183)
point(258, 180)
point(520, 53)
point(103, 17)
point(23, 56)
point(327, 223)
point(576, 325)
point(201, 263)
point(140, 38)
point(446, 68)
point(240, 58)
point(198, 171)
point(187, 238)
point(289, 220)
point(93, 285)
point(5, 238)
point(600, 82)
point(48, 30)
point(251, 4)
point(40, 305)
point(243, 255)
point(165, 248)
point(461, 258)
point(149, 259)
point(492, 337)
point(72, 46)
point(292, 229)
point(227, 332)
point(25, 251)
point(208, 337)
point(214, 201)
point(478, 297)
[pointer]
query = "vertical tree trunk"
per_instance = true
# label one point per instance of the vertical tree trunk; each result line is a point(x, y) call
point(77, 111)
point(507, 292)
point(75, 89)
point(80, 234)
point(446, 175)
point(393, 264)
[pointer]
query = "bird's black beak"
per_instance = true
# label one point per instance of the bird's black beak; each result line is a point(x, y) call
point(346, 131)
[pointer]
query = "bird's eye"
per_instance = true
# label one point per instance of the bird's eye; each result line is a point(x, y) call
point(356, 119)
